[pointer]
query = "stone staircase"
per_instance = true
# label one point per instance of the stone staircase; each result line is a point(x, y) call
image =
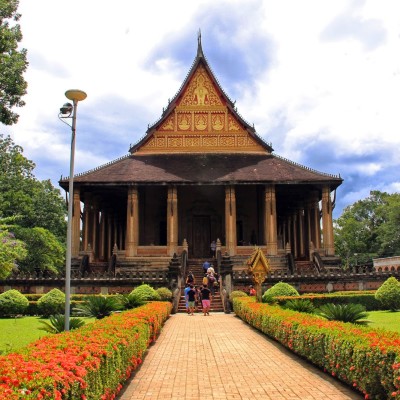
point(305, 267)
point(196, 267)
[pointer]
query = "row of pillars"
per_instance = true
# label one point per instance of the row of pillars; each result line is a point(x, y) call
point(295, 230)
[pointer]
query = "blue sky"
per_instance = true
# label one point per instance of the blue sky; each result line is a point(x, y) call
point(319, 80)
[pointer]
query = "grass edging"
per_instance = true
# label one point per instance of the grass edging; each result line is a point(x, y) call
point(88, 363)
point(364, 358)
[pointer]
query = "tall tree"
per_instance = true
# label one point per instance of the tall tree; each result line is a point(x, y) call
point(13, 62)
point(33, 203)
point(369, 228)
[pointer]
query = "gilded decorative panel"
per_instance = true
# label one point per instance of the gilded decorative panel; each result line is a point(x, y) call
point(242, 140)
point(218, 121)
point(233, 125)
point(193, 141)
point(200, 91)
point(228, 141)
point(200, 121)
point(168, 125)
point(151, 143)
point(184, 121)
point(160, 141)
point(175, 141)
point(210, 141)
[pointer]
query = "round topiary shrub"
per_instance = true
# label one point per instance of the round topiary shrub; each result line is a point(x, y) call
point(236, 293)
point(51, 303)
point(389, 294)
point(146, 292)
point(280, 289)
point(164, 293)
point(12, 302)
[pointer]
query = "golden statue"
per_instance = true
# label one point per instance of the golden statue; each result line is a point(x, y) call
point(201, 92)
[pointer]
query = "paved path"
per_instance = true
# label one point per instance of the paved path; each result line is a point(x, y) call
point(221, 357)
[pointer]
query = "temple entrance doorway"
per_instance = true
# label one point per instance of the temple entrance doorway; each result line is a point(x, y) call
point(201, 228)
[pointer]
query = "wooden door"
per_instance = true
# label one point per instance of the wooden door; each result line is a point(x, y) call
point(201, 236)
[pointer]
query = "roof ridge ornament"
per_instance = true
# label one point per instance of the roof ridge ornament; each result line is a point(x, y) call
point(199, 48)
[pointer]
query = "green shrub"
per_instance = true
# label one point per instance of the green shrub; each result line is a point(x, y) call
point(131, 300)
point(12, 302)
point(57, 324)
point(51, 303)
point(354, 313)
point(300, 305)
point(147, 292)
point(237, 293)
point(280, 289)
point(389, 294)
point(165, 294)
point(368, 300)
point(98, 306)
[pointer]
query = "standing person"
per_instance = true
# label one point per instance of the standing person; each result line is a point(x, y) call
point(185, 292)
point(252, 291)
point(211, 280)
point(190, 278)
point(198, 297)
point(213, 247)
point(191, 294)
point(206, 300)
point(206, 265)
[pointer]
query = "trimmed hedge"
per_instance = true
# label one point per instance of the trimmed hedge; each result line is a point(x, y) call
point(366, 299)
point(365, 358)
point(89, 363)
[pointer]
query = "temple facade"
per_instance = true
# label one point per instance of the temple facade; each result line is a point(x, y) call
point(200, 174)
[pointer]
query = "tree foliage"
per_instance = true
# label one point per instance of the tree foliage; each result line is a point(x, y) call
point(12, 251)
point(35, 212)
point(44, 251)
point(34, 203)
point(369, 228)
point(13, 62)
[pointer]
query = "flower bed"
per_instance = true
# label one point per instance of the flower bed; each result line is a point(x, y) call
point(365, 358)
point(89, 363)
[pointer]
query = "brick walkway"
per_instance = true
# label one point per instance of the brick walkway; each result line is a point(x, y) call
point(221, 357)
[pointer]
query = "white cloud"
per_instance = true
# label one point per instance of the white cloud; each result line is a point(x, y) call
point(332, 76)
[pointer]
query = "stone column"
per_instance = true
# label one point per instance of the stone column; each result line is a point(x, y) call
point(315, 228)
point(86, 220)
point(102, 236)
point(327, 222)
point(230, 220)
point(172, 220)
point(109, 233)
point(270, 229)
point(289, 228)
point(300, 217)
point(95, 224)
point(295, 235)
point(76, 222)
point(132, 223)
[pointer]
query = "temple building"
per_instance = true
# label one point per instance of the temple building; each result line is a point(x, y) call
point(202, 173)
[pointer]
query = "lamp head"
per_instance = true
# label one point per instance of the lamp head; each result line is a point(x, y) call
point(66, 109)
point(75, 95)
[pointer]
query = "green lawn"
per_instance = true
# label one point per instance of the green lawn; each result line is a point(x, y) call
point(385, 319)
point(18, 332)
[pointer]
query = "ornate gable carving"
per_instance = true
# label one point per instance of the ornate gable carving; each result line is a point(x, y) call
point(200, 91)
point(200, 121)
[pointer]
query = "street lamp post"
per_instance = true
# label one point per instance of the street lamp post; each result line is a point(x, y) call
point(65, 112)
